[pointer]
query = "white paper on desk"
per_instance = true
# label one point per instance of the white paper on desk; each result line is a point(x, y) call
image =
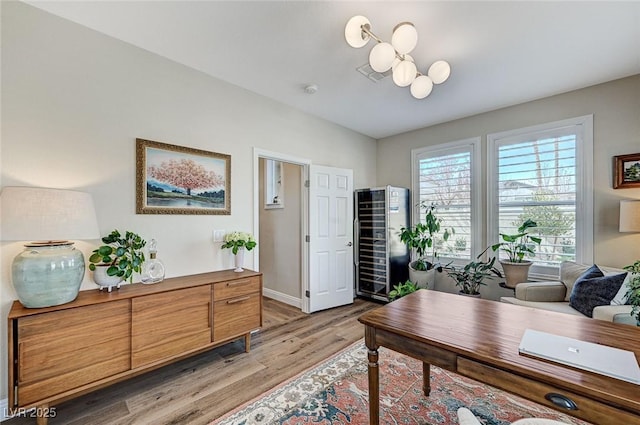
point(601, 359)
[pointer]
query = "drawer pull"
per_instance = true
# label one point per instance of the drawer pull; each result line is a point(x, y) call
point(239, 282)
point(237, 300)
point(561, 401)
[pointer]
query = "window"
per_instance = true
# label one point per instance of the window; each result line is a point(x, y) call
point(448, 176)
point(543, 173)
point(273, 179)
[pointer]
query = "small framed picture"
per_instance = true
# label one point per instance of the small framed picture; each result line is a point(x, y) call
point(174, 179)
point(626, 171)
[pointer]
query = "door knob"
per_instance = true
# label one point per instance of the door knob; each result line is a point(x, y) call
point(349, 243)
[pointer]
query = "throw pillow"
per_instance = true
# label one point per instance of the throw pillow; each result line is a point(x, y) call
point(593, 288)
point(570, 271)
point(622, 297)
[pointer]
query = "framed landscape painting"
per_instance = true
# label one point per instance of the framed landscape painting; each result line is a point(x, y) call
point(627, 171)
point(174, 179)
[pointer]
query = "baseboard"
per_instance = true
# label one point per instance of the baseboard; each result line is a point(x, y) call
point(4, 409)
point(284, 298)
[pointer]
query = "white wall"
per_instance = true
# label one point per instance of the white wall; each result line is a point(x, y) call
point(616, 123)
point(73, 103)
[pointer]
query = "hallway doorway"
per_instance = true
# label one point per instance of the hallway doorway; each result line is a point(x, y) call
point(280, 225)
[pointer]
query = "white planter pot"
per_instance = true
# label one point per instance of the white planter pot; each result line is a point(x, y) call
point(103, 280)
point(424, 279)
point(515, 273)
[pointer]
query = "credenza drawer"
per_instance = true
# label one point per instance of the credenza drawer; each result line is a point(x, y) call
point(586, 408)
point(236, 288)
point(236, 316)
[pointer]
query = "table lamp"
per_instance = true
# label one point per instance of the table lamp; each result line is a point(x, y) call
point(50, 270)
point(629, 216)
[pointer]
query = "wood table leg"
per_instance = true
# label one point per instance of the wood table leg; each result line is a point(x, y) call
point(374, 375)
point(426, 378)
point(374, 388)
point(247, 342)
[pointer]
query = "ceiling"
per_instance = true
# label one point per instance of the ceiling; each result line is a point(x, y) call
point(501, 53)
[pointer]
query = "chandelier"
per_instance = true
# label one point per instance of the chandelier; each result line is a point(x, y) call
point(395, 56)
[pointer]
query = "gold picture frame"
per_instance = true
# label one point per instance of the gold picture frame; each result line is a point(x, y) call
point(173, 179)
point(626, 171)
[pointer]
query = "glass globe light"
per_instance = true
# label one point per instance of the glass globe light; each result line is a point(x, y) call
point(381, 57)
point(404, 73)
point(439, 72)
point(397, 60)
point(353, 31)
point(421, 87)
point(404, 38)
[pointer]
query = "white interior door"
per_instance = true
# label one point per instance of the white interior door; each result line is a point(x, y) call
point(330, 237)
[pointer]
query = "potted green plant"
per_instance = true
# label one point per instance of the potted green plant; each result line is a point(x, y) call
point(402, 289)
point(117, 259)
point(470, 277)
point(517, 247)
point(633, 294)
point(422, 239)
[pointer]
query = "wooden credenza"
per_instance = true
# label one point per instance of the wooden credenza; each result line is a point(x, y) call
point(57, 353)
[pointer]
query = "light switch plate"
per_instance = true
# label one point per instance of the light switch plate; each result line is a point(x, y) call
point(218, 235)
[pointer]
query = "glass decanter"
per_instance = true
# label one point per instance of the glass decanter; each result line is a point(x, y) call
point(152, 269)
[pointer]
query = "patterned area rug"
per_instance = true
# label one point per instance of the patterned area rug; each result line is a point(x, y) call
point(336, 391)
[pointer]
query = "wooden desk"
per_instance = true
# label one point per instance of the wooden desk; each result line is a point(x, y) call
point(479, 339)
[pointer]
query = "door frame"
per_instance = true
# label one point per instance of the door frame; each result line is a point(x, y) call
point(304, 163)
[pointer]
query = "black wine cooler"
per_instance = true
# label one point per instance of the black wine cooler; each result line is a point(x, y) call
point(381, 259)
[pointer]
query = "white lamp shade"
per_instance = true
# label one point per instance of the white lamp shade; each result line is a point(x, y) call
point(404, 73)
point(381, 57)
point(353, 31)
point(439, 72)
point(630, 216)
point(39, 214)
point(421, 87)
point(404, 38)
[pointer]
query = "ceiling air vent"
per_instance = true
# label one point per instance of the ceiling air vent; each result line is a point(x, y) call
point(374, 76)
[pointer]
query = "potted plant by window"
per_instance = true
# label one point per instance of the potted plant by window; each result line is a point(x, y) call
point(116, 261)
point(422, 238)
point(633, 294)
point(470, 277)
point(517, 246)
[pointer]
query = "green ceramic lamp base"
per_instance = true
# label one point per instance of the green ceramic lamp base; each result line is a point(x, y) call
point(47, 274)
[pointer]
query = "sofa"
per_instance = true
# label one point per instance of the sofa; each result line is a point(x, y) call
point(554, 295)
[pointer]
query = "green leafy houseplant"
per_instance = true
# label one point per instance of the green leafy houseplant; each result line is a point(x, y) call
point(633, 293)
point(422, 237)
point(470, 277)
point(238, 240)
point(122, 255)
point(402, 289)
point(519, 245)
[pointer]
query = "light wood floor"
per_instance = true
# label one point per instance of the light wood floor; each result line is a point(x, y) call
point(202, 388)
